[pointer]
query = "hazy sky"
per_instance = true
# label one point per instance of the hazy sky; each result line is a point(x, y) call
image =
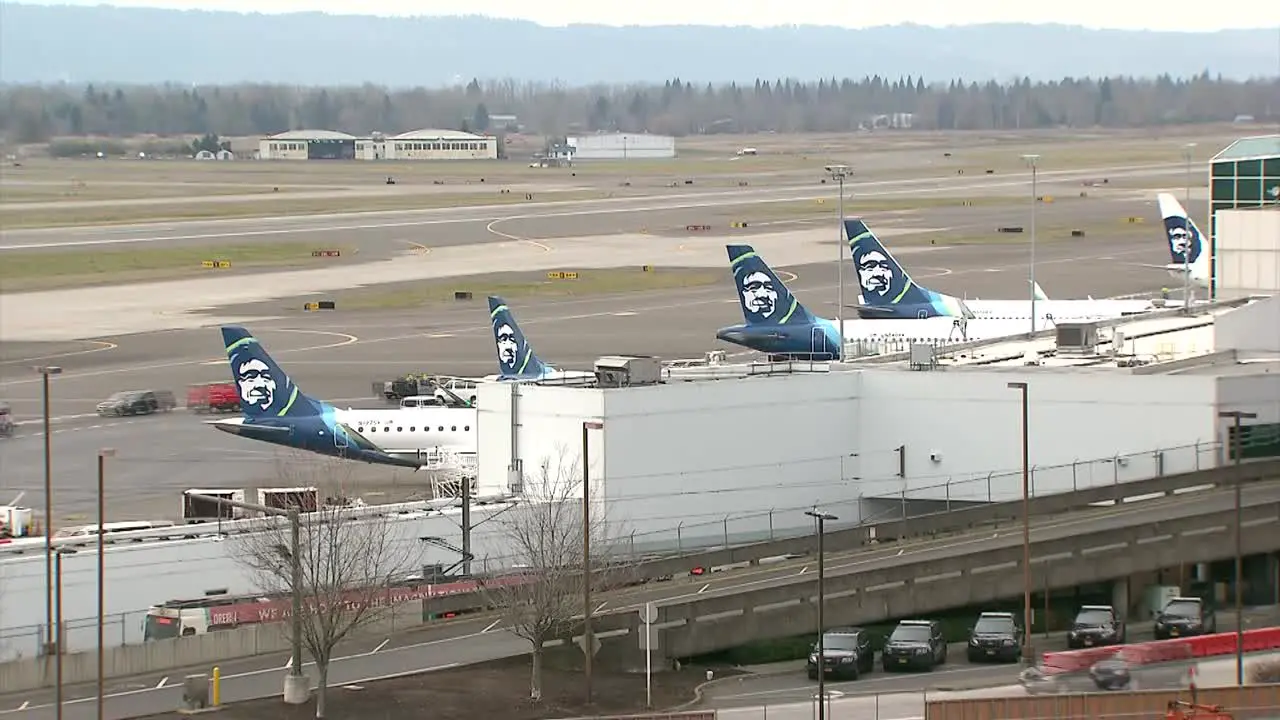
point(1120, 14)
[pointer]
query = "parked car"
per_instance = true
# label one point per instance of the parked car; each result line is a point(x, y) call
point(1096, 625)
point(1185, 617)
point(137, 402)
point(914, 644)
point(996, 636)
point(213, 397)
point(846, 653)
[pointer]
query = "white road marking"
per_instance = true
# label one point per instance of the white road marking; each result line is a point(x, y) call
point(288, 664)
point(703, 200)
point(803, 570)
point(105, 346)
point(606, 602)
point(704, 588)
point(625, 314)
point(24, 705)
point(162, 682)
point(492, 625)
point(490, 229)
point(381, 645)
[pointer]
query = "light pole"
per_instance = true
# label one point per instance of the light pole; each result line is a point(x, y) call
point(821, 517)
point(1236, 446)
point(1026, 525)
point(103, 454)
point(1032, 160)
point(587, 636)
point(45, 371)
point(839, 173)
point(1186, 254)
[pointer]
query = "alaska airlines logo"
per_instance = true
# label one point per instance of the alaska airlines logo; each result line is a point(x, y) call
point(759, 294)
point(260, 387)
point(877, 273)
point(1184, 241)
point(508, 345)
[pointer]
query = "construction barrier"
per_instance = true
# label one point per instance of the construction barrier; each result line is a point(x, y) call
point(738, 224)
point(1077, 233)
point(820, 201)
point(462, 295)
point(326, 253)
point(1197, 647)
point(222, 264)
point(1045, 198)
point(697, 228)
point(322, 305)
point(646, 268)
point(966, 203)
point(1010, 229)
point(1134, 220)
point(562, 275)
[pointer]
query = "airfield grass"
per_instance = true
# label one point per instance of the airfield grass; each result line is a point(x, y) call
point(76, 191)
point(593, 282)
point(14, 219)
point(28, 271)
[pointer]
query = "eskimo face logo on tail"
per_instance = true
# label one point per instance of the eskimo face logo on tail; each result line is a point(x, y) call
point(875, 272)
point(508, 345)
point(257, 385)
point(759, 294)
point(1184, 241)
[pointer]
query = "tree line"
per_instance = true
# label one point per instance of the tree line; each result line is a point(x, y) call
point(31, 114)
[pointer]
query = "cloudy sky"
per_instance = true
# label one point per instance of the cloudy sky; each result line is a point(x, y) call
point(1126, 14)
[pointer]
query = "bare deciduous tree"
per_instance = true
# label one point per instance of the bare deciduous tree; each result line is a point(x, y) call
point(542, 599)
point(346, 566)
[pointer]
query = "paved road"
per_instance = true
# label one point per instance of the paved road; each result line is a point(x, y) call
point(482, 637)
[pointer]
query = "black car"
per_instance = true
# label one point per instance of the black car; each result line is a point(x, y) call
point(1185, 617)
point(137, 402)
point(914, 644)
point(1096, 625)
point(996, 636)
point(846, 653)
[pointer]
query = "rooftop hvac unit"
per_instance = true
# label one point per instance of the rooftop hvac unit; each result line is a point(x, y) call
point(615, 371)
point(1077, 338)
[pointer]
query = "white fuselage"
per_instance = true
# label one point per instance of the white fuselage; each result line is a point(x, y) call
point(567, 378)
point(410, 431)
point(1059, 310)
point(936, 329)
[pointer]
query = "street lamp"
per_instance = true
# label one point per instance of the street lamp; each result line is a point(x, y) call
point(1026, 525)
point(839, 173)
point(1035, 201)
point(821, 517)
point(45, 371)
point(1186, 254)
point(587, 636)
point(103, 454)
point(1236, 446)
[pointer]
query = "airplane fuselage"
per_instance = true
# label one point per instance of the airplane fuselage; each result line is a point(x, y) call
point(1057, 310)
point(820, 341)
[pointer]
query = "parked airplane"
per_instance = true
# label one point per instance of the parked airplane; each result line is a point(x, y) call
point(777, 324)
point(275, 410)
point(889, 292)
point(1188, 251)
point(516, 359)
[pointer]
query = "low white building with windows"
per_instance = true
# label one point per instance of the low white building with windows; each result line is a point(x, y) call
point(436, 144)
point(308, 145)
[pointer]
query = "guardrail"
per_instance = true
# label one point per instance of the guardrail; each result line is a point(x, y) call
point(1201, 646)
point(697, 624)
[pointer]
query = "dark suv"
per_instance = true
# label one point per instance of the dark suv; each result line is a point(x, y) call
point(137, 402)
point(1184, 617)
point(996, 636)
point(1095, 625)
point(846, 653)
point(914, 644)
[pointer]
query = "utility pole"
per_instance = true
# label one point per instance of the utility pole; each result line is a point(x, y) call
point(839, 173)
point(103, 454)
point(1236, 450)
point(1026, 525)
point(466, 524)
point(296, 685)
point(1035, 201)
point(1186, 254)
point(51, 640)
point(588, 638)
point(822, 517)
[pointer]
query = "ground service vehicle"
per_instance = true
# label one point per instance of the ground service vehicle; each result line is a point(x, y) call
point(1095, 625)
point(181, 618)
point(1185, 617)
point(996, 636)
point(16, 521)
point(213, 397)
point(846, 653)
point(914, 644)
point(137, 402)
point(6, 420)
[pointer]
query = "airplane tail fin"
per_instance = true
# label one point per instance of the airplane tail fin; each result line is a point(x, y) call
point(887, 288)
point(1039, 291)
point(516, 359)
point(266, 391)
point(764, 298)
point(1186, 243)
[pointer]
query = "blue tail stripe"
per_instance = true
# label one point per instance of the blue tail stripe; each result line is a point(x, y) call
point(266, 391)
point(516, 359)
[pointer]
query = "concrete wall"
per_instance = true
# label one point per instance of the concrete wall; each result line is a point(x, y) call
point(1137, 704)
point(1258, 393)
point(1251, 329)
point(958, 427)
point(1248, 252)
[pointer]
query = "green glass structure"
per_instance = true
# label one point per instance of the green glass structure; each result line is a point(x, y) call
point(1244, 175)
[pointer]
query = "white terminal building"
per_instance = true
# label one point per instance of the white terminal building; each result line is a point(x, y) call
point(690, 455)
point(425, 144)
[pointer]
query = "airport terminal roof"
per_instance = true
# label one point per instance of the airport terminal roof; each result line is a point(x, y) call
point(437, 134)
point(1250, 147)
point(312, 135)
